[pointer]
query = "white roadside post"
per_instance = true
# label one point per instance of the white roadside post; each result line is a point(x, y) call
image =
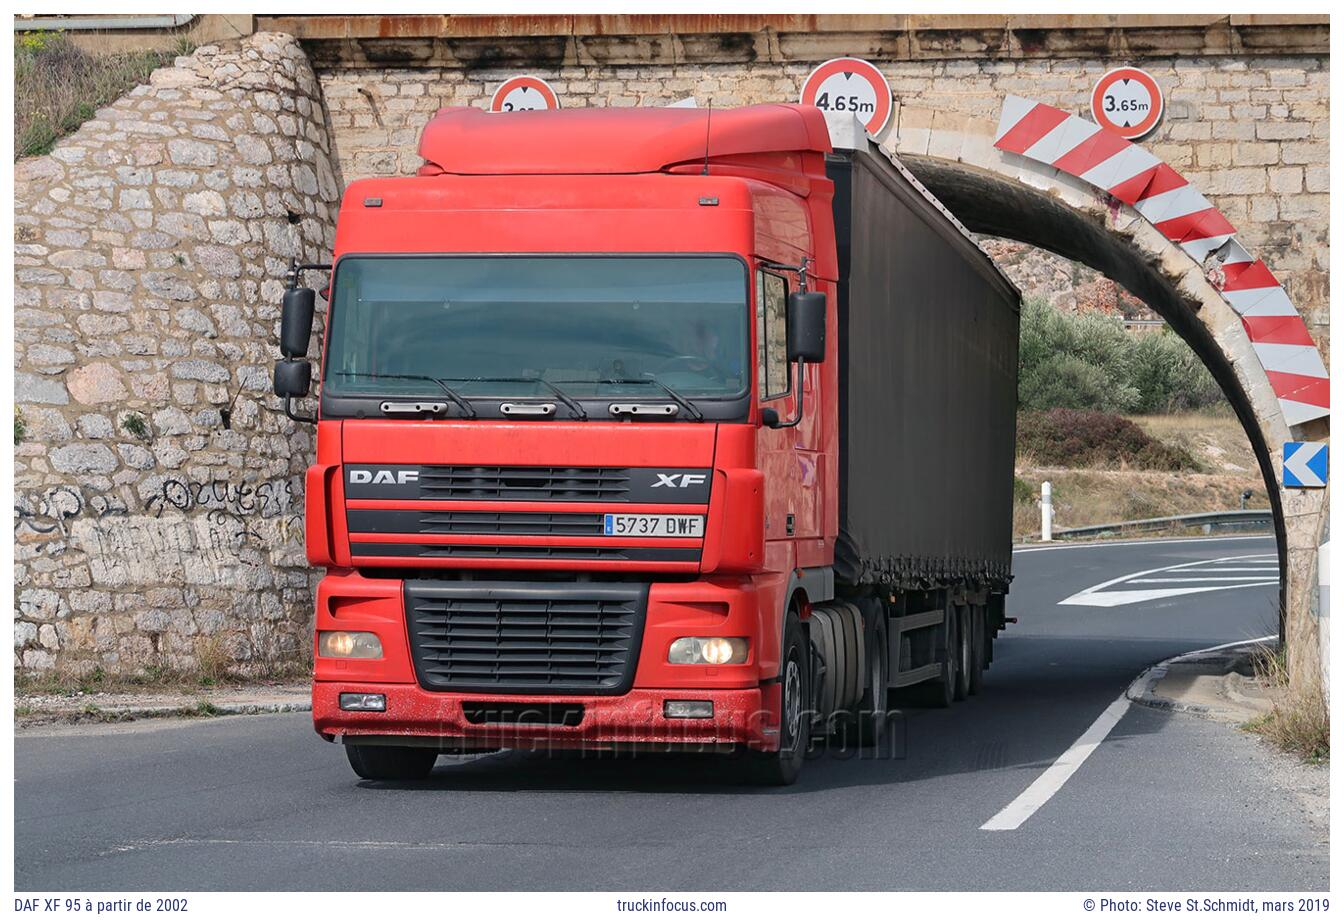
point(1047, 513)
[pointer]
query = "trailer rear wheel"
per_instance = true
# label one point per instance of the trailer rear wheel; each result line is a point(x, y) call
point(781, 768)
point(962, 652)
point(979, 649)
point(391, 763)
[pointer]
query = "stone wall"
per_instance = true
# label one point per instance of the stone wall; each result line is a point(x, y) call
point(1250, 131)
point(1066, 285)
point(158, 484)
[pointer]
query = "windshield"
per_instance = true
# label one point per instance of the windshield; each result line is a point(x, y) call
point(508, 326)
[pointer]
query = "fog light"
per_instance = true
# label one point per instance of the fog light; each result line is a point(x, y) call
point(363, 702)
point(688, 709)
point(349, 645)
point(698, 650)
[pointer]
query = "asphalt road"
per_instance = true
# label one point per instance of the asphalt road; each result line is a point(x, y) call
point(1168, 801)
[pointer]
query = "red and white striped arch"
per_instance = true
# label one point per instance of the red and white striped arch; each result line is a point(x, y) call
point(1176, 208)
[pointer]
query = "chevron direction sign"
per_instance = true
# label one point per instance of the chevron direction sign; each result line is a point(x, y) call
point(1305, 464)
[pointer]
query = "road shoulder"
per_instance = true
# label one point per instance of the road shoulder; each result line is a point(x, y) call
point(1219, 685)
point(34, 711)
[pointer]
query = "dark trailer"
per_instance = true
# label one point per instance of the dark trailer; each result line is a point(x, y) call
point(928, 341)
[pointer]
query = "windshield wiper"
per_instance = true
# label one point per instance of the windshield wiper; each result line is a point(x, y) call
point(575, 409)
point(448, 391)
point(676, 397)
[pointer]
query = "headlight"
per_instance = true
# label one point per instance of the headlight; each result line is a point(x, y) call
point(711, 650)
point(349, 645)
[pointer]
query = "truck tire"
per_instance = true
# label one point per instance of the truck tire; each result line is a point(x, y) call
point(872, 710)
point(847, 617)
point(940, 692)
point(979, 649)
point(822, 629)
point(391, 763)
point(781, 768)
point(965, 660)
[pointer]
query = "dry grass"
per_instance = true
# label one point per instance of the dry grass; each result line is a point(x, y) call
point(212, 659)
point(1083, 497)
point(212, 671)
point(1299, 723)
point(58, 86)
point(1086, 497)
point(1217, 440)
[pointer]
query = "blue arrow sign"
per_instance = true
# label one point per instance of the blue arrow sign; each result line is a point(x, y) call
point(1305, 464)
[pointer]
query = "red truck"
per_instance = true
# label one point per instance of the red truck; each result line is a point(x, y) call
point(665, 428)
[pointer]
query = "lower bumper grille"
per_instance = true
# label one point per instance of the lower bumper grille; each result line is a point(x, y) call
point(525, 637)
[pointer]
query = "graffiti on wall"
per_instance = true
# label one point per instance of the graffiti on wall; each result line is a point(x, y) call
point(201, 532)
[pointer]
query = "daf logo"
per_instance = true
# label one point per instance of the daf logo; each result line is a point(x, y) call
point(383, 477)
point(675, 481)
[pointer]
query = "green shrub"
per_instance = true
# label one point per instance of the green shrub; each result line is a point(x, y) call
point(136, 426)
point(1089, 361)
point(1071, 437)
point(1023, 493)
point(1169, 375)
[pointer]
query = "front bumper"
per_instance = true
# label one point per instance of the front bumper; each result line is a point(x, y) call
point(745, 697)
point(743, 717)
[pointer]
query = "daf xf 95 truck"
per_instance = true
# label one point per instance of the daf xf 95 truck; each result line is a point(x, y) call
point(650, 428)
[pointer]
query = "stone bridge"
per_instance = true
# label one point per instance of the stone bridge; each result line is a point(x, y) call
point(149, 242)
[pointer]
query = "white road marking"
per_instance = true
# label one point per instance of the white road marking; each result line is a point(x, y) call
point(1189, 582)
point(1058, 773)
point(1016, 812)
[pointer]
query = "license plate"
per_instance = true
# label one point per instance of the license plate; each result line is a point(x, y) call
point(653, 525)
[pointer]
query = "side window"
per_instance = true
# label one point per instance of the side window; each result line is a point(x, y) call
point(772, 361)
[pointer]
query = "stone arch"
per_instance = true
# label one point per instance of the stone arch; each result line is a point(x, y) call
point(990, 191)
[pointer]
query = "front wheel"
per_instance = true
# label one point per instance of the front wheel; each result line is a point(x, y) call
point(391, 763)
point(781, 768)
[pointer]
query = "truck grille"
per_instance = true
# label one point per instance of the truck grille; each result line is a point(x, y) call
point(524, 483)
point(525, 637)
point(477, 551)
point(475, 522)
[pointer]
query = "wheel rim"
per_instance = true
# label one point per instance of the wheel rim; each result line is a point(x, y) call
point(793, 701)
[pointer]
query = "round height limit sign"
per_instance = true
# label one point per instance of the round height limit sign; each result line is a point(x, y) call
point(524, 94)
point(1127, 101)
point(853, 86)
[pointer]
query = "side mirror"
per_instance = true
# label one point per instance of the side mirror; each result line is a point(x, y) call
point(296, 322)
point(292, 379)
point(807, 327)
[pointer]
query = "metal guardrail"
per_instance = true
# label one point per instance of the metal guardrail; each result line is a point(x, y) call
point(1209, 522)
